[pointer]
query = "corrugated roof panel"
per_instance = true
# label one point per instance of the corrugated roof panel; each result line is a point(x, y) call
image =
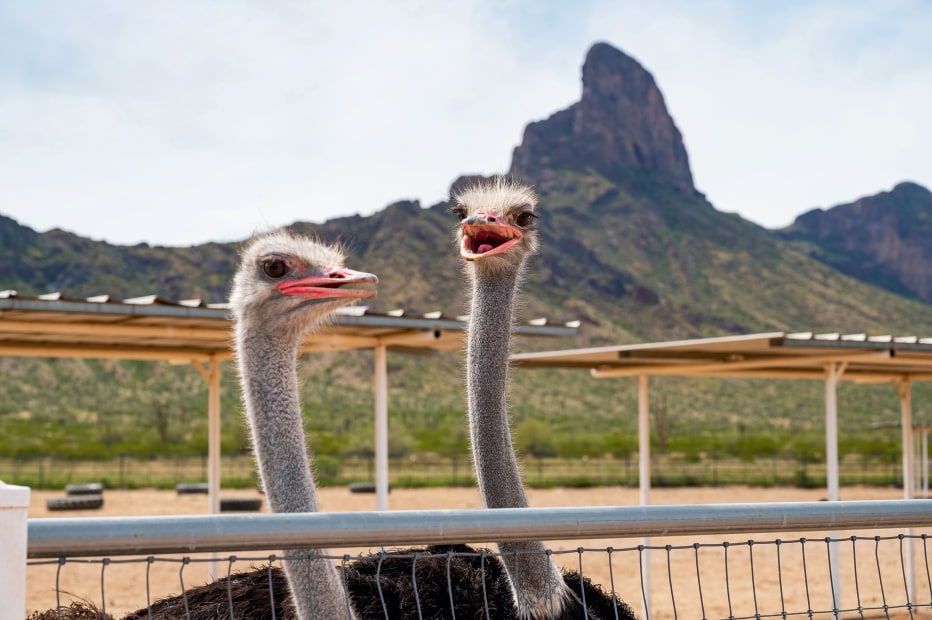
point(153, 327)
point(854, 337)
point(352, 310)
point(779, 355)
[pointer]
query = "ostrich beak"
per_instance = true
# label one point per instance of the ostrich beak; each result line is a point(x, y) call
point(482, 239)
point(330, 285)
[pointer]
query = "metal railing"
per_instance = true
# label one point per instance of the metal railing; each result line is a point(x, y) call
point(779, 578)
point(206, 533)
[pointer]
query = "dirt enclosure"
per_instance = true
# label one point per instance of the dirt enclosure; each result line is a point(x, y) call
point(686, 581)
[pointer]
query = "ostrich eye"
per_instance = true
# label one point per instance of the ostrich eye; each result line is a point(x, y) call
point(459, 211)
point(524, 219)
point(275, 268)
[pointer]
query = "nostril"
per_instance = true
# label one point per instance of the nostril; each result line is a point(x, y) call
point(339, 275)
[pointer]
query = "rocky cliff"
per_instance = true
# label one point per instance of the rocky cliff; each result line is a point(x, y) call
point(619, 127)
point(884, 239)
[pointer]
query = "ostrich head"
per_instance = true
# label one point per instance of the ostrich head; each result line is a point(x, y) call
point(287, 283)
point(497, 228)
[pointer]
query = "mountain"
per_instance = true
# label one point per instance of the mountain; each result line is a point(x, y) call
point(35, 263)
point(882, 239)
point(619, 126)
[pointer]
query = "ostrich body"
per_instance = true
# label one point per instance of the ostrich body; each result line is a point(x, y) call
point(497, 234)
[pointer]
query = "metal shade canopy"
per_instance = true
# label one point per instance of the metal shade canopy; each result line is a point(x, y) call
point(803, 355)
point(191, 331)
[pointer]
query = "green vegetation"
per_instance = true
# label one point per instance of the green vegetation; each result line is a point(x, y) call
point(144, 424)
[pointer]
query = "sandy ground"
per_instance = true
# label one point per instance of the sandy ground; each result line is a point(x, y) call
point(755, 573)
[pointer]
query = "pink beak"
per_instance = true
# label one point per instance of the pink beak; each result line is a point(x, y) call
point(330, 285)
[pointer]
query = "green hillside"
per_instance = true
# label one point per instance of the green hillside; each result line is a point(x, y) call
point(633, 264)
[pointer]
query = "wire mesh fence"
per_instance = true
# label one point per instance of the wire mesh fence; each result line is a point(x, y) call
point(711, 573)
point(421, 470)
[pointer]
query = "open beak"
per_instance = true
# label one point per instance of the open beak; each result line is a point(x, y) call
point(488, 239)
point(336, 283)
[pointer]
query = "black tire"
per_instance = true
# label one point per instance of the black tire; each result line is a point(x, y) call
point(81, 502)
point(88, 488)
point(364, 487)
point(191, 487)
point(240, 504)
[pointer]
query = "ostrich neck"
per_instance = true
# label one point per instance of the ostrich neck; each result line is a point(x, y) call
point(270, 388)
point(537, 583)
point(269, 373)
point(487, 350)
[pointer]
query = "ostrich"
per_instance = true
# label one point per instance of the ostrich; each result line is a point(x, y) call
point(497, 234)
point(283, 289)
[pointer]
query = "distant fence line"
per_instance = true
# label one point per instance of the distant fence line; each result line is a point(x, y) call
point(239, 471)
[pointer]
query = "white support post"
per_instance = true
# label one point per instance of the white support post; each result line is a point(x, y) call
point(213, 437)
point(644, 479)
point(924, 468)
point(14, 512)
point(834, 370)
point(380, 386)
point(833, 375)
point(906, 422)
point(212, 376)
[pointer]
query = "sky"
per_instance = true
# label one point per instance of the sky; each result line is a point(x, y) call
point(185, 121)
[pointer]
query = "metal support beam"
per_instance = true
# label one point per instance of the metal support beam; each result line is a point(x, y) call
point(212, 375)
point(735, 368)
point(924, 460)
point(644, 479)
point(834, 371)
point(173, 353)
point(380, 386)
point(906, 422)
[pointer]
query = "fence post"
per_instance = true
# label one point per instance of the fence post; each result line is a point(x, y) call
point(14, 509)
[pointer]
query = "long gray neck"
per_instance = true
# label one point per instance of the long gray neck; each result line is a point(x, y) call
point(488, 346)
point(268, 371)
point(537, 584)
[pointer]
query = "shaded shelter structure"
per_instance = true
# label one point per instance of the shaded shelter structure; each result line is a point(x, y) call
point(829, 357)
point(197, 333)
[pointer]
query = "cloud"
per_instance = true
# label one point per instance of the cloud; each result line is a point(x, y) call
point(788, 106)
point(182, 122)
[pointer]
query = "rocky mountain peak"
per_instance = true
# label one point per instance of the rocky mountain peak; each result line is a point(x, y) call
point(882, 239)
point(620, 125)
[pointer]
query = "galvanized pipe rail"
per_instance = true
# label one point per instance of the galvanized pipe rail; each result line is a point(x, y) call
point(110, 536)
